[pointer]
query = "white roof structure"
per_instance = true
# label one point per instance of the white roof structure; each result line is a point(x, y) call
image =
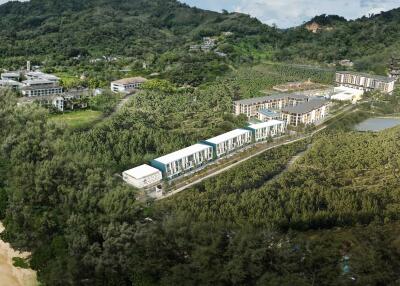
point(41, 75)
point(142, 171)
point(227, 136)
point(10, 74)
point(172, 157)
point(343, 93)
point(266, 124)
point(36, 82)
point(9, 82)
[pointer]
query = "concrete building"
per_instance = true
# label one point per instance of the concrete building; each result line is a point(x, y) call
point(268, 114)
point(229, 142)
point(394, 67)
point(306, 113)
point(365, 82)
point(182, 161)
point(127, 85)
point(55, 101)
point(343, 93)
point(142, 177)
point(15, 76)
point(10, 84)
point(251, 106)
point(40, 88)
point(38, 75)
point(265, 130)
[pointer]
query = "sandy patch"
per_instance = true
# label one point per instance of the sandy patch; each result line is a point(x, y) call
point(10, 275)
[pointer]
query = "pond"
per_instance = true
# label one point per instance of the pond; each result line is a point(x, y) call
point(377, 124)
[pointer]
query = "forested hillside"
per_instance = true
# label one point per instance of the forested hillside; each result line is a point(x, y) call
point(368, 42)
point(130, 33)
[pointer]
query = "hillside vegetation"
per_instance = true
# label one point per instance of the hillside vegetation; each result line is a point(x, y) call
point(66, 36)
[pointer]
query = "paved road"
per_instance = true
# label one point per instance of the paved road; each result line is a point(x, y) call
point(248, 158)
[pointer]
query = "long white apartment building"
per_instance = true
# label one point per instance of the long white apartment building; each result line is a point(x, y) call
point(365, 82)
point(143, 176)
point(127, 85)
point(182, 161)
point(251, 106)
point(269, 129)
point(40, 88)
point(229, 142)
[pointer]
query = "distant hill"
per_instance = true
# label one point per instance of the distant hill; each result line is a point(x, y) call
point(160, 32)
point(119, 27)
point(368, 41)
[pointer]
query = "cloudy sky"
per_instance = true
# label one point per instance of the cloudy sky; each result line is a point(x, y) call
point(287, 13)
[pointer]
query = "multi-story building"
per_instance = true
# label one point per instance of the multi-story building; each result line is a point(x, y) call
point(365, 82)
point(229, 142)
point(251, 106)
point(127, 85)
point(15, 76)
point(142, 177)
point(58, 102)
point(37, 75)
point(265, 130)
point(10, 84)
point(306, 113)
point(394, 67)
point(182, 161)
point(40, 88)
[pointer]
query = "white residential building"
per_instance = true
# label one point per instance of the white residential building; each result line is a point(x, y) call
point(365, 82)
point(229, 142)
point(306, 113)
point(15, 76)
point(265, 130)
point(251, 106)
point(127, 85)
point(182, 161)
point(142, 177)
point(40, 88)
point(10, 84)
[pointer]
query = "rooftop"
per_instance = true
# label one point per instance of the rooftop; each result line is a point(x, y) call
point(182, 153)
point(266, 124)
point(10, 74)
point(227, 136)
point(306, 107)
point(130, 80)
point(42, 86)
point(37, 82)
point(142, 171)
point(9, 82)
point(269, 112)
point(376, 77)
point(42, 75)
point(278, 96)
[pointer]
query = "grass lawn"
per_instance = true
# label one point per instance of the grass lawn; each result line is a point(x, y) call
point(77, 119)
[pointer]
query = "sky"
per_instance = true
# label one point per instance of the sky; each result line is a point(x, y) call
point(289, 13)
